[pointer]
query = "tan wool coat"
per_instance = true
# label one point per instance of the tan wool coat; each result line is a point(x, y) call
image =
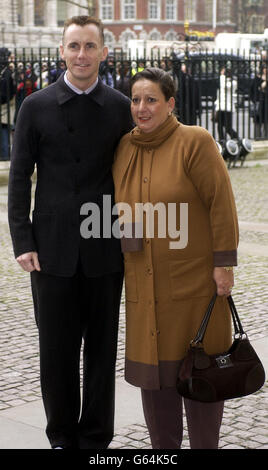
point(168, 290)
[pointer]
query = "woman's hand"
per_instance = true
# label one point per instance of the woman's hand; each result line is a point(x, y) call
point(224, 280)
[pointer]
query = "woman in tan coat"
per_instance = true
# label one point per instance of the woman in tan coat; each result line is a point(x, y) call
point(174, 264)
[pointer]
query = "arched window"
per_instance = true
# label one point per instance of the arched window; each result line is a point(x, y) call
point(171, 35)
point(109, 40)
point(155, 35)
point(125, 37)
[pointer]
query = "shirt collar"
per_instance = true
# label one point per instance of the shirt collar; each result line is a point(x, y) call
point(65, 93)
point(77, 90)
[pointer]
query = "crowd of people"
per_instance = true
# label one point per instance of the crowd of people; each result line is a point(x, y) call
point(21, 78)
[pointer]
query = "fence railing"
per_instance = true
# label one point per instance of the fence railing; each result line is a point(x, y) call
point(225, 93)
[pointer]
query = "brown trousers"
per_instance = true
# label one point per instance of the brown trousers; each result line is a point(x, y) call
point(163, 414)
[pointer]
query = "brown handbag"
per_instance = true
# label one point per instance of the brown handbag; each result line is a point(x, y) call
point(231, 374)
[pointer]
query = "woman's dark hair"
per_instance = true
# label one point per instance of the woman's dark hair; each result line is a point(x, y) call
point(159, 76)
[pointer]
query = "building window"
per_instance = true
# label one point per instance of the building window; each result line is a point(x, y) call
point(125, 37)
point(20, 13)
point(171, 35)
point(106, 10)
point(171, 9)
point(129, 9)
point(208, 11)
point(155, 35)
point(190, 10)
point(254, 3)
point(109, 40)
point(39, 10)
point(225, 11)
point(154, 10)
point(257, 24)
point(61, 12)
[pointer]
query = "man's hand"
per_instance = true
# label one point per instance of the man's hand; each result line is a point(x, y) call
point(29, 261)
point(224, 280)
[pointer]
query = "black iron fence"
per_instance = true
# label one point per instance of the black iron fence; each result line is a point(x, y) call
point(225, 93)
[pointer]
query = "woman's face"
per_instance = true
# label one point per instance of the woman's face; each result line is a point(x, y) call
point(149, 107)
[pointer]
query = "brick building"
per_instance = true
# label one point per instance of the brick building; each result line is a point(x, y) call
point(38, 23)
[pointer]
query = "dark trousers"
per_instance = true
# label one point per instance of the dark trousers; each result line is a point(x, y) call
point(163, 413)
point(225, 121)
point(68, 310)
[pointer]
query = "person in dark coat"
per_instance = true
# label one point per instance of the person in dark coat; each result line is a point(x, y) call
point(259, 96)
point(188, 100)
point(7, 102)
point(70, 130)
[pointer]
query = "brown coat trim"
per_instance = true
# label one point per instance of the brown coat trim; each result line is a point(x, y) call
point(225, 258)
point(153, 377)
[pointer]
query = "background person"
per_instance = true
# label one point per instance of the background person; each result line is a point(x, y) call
point(70, 130)
point(168, 290)
point(225, 103)
point(7, 102)
point(188, 99)
point(260, 89)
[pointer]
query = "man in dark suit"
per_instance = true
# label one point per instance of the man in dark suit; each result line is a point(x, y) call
point(70, 130)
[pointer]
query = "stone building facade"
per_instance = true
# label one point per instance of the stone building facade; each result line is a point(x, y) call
point(38, 23)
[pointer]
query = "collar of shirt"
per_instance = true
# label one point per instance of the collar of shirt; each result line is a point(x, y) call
point(64, 93)
point(77, 90)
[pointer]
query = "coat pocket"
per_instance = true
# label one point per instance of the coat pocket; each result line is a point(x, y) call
point(131, 282)
point(191, 278)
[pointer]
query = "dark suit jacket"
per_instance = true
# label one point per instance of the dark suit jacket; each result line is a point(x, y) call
point(71, 139)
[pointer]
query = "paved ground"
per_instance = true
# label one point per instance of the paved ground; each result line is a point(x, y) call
point(245, 423)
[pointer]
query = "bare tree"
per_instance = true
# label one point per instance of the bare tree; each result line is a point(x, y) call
point(90, 7)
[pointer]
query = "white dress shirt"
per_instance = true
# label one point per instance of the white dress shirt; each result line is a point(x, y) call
point(77, 90)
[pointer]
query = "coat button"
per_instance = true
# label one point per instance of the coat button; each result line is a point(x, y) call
point(145, 179)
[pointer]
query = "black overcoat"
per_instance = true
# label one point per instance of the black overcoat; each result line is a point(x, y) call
point(71, 140)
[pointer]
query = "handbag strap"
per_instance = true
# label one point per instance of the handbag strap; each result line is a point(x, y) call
point(203, 326)
point(236, 320)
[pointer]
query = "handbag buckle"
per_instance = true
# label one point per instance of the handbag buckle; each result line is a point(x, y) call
point(224, 361)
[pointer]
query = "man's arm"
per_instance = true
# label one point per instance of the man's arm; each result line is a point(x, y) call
point(22, 165)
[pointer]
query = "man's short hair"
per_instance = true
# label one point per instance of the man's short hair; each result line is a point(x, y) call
point(83, 20)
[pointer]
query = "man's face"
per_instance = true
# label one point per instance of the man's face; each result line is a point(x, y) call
point(82, 51)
